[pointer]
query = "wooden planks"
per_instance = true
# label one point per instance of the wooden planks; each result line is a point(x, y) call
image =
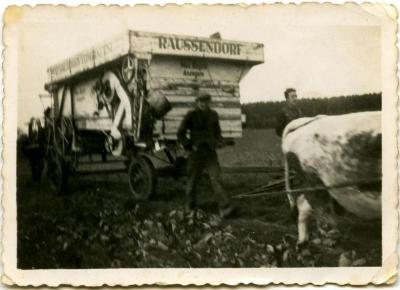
point(190, 99)
point(147, 44)
point(172, 126)
point(220, 80)
point(179, 83)
point(181, 111)
point(169, 126)
point(89, 58)
point(225, 134)
point(215, 105)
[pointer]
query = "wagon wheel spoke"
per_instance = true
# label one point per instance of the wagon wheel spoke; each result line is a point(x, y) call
point(141, 178)
point(138, 179)
point(128, 67)
point(55, 171)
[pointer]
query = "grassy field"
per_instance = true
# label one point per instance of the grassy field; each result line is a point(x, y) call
point(255, 148)
point(99, 225)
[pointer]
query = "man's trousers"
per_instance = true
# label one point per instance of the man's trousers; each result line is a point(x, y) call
point(200, 161)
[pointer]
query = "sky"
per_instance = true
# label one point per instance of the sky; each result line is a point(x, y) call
point(321, 53)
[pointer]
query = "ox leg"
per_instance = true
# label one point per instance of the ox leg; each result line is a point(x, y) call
point(290, 197)
point(304, 213)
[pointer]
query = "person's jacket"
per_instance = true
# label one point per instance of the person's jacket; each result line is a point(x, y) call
point(204, 130)
point(288, 113)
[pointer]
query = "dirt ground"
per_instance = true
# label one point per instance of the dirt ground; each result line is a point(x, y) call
point(99, 225)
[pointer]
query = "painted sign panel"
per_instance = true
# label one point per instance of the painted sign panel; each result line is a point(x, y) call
point(169, 44)
point(173, 68)
point(207, 47)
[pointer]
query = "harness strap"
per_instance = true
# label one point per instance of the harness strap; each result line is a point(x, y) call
point(251, 194)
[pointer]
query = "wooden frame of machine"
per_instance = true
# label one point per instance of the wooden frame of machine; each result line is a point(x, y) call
point(119, 104)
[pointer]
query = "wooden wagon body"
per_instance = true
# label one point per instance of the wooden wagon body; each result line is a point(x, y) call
point(127, 96)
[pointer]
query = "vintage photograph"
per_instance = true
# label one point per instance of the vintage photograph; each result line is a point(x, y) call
point(195, 137)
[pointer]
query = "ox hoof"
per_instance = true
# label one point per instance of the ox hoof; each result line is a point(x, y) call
point(292, 217)
point(301, 245)
point(289, 240)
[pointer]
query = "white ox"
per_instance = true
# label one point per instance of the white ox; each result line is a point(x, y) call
point(341, 152)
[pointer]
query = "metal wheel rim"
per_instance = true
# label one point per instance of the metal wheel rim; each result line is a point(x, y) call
point(128, 69)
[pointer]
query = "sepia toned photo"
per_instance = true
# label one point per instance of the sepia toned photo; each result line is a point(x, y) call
point(200, 145)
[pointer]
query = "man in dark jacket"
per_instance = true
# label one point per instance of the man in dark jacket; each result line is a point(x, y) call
point(204, 138)
point(289, 112)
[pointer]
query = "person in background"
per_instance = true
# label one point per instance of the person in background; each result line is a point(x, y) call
point(202, 143)
point(289, 112)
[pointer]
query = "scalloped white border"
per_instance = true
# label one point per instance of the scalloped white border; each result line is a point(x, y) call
point(257, 276)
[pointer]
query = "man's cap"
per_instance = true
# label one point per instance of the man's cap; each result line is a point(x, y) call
point(204, 97)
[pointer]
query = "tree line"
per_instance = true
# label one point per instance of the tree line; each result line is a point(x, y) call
point(263, 114)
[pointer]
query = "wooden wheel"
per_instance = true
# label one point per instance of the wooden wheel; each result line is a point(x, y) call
point(142, 178)
point(56, 173)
